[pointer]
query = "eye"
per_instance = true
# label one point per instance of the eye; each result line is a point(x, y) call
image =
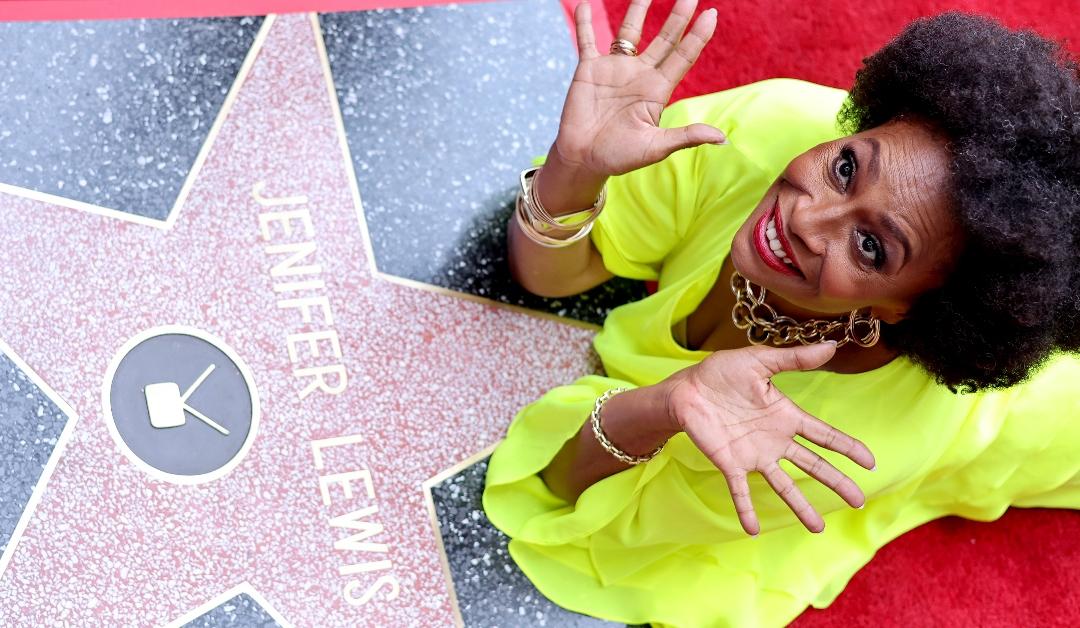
point(870, 248)
point(844, 168)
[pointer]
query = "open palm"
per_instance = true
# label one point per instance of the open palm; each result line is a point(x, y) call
point(610, 119)
point(730, 409)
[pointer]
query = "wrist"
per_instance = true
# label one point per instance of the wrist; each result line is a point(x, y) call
point(571, 160)
point(632, 422)
point(671, 393)
point(651, 403)
point(566, 186)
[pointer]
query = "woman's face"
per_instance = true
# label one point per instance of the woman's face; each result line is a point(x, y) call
point(864, 221)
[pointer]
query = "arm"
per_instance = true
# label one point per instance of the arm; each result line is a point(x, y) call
point(637, 421)
point(549, 272)
point(609, 126)
point(729, 408)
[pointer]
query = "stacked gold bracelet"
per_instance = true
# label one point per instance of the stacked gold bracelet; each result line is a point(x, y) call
point(605, 442)
point(537, 224)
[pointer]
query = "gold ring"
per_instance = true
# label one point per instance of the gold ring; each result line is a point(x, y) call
point(623, 47)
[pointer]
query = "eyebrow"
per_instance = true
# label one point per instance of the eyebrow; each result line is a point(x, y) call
point(898, 233)
point(873, 168)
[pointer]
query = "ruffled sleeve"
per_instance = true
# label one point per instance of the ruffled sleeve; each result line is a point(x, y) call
point(648, 210)
point(516, 499)
point(1034, 459)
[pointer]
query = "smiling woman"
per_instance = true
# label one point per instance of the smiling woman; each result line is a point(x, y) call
point(897, 245)
point(847, 238)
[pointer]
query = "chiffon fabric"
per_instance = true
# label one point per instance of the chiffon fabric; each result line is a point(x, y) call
point(660, 542)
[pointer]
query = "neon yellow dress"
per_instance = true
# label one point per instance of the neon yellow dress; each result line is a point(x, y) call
point(660, 543)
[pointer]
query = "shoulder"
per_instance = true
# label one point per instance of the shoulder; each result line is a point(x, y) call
point(769, 122)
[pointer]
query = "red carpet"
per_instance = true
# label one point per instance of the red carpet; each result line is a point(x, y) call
point(1022, 570)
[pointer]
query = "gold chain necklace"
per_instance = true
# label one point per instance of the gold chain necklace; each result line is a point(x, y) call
point(764, 325)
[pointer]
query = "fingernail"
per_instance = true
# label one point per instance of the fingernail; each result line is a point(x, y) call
point(873, 468)
point(861, 507)
point(832, 342)
point(721, 142)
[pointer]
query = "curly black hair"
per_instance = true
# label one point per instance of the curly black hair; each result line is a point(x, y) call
point(1008, 105)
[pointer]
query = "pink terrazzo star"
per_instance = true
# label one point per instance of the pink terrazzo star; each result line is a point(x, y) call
point(432, 379)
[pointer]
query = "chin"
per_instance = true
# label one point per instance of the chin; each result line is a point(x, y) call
point(746, 262)
point(741, 257)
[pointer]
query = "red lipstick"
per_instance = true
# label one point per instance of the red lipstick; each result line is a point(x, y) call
point(761, 242)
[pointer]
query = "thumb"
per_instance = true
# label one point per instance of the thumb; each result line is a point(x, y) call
point(797, 358)
point(689, 136)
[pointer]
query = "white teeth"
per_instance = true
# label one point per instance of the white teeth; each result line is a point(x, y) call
point(774, 243)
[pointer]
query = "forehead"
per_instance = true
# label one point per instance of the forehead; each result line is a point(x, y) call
point(913, 165)
point(912, 184)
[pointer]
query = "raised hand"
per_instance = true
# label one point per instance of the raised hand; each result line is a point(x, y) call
point(729, 407)
point(610, 120)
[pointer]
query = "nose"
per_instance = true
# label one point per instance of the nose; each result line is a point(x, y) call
point(816, 220)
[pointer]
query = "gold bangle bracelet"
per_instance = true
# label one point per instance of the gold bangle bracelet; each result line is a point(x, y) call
point(605, 442)
point(533, 233)
point(538, 215)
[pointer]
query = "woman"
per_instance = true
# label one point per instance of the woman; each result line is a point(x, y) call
point(931, 236)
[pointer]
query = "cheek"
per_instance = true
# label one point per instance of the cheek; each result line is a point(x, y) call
point(845, 285)
point(845, 294)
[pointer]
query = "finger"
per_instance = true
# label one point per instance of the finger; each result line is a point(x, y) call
point(630, 30)
point(785, 487)
point(821, 433)
point(671, 32)
point(583, 25)
point(740, 495)
point(797, 358)
point(671, 140)
point(821, 470)
point(678, 63)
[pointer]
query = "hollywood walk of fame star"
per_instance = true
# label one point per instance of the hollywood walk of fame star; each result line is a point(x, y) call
point(431, 379)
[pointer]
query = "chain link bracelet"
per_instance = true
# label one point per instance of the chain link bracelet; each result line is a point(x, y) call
point(605, 442)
